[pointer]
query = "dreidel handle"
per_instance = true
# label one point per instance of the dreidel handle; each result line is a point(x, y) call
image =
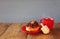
point(42, 24)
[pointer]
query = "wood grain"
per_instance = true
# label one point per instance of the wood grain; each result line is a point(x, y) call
point(3, 27)
point(13, 31)
point(56, 31)
point(40, 36)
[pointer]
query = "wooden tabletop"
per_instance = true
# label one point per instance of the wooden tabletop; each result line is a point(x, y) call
point(13, 31)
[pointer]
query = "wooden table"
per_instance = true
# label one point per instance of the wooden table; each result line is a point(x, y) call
point(13, 31)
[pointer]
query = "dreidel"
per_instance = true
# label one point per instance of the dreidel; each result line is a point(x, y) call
point(45, 29)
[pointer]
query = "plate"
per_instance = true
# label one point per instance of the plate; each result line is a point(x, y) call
point(30, 32)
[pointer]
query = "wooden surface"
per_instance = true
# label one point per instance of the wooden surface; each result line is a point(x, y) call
point(13, 31)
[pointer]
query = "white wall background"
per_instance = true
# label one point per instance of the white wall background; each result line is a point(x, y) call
point(26, 10)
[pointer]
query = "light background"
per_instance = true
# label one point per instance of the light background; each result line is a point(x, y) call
point(26, 10)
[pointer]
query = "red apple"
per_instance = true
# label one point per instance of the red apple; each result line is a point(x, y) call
point(48, 21)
